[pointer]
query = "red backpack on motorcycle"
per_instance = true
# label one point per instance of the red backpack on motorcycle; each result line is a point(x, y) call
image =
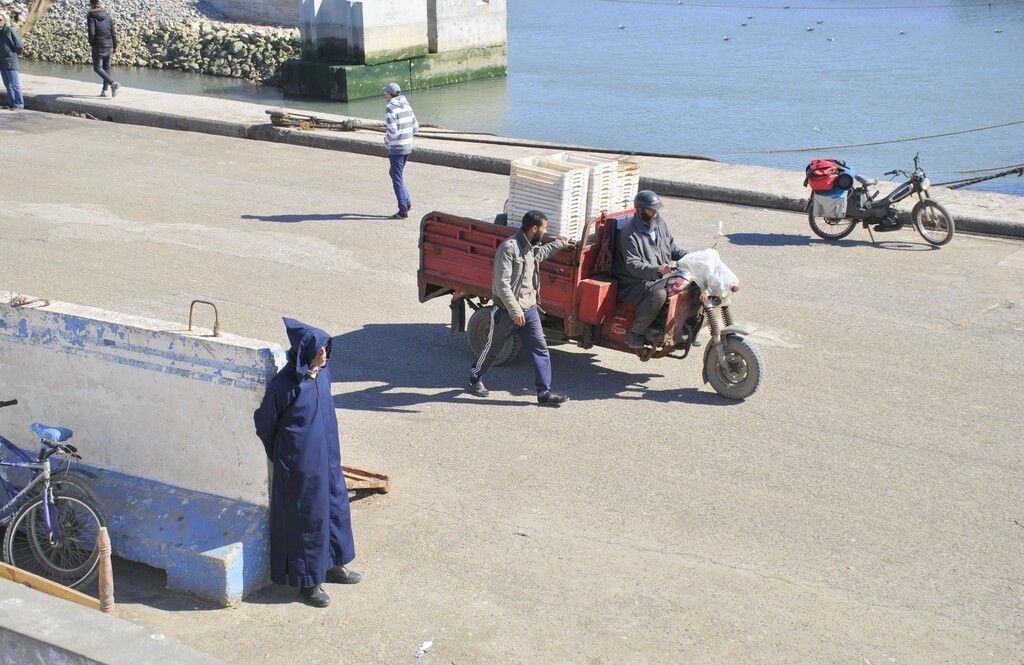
point(822, 173)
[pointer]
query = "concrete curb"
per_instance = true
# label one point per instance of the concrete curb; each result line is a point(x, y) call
point(360, 144)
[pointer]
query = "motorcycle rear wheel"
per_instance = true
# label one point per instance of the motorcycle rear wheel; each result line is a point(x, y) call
point(827, 228)
point(933, 222)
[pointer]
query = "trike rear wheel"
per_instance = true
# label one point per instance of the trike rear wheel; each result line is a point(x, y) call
point(742, 373)
point(479, 329)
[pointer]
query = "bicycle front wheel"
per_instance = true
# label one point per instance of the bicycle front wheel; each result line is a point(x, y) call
point(66, 551)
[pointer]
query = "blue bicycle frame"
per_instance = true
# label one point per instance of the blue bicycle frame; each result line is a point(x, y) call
point(41, 470)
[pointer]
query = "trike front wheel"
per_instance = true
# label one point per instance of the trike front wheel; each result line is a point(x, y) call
point(741, 374)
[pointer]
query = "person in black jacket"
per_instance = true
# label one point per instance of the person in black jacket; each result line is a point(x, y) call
point(10, 48)
point(103, 40)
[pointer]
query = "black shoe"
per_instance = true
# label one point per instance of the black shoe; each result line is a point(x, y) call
point(477, 388)
point(548, 398)
point(114, 87)
point(399, 215)
point(316, 596)
point(635, 340)
point(342, 575)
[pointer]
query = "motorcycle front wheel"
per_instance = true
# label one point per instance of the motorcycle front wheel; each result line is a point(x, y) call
point(828, 228)
point(742, 373)
point(933, 222)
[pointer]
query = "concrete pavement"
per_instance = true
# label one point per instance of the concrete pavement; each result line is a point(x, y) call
point(974, 211)
point(865, 506)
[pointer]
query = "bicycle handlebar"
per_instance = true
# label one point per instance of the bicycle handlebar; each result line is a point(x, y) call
point(10, 403)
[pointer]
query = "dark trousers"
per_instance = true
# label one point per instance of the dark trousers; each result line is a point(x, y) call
point(397, 174)
point(12, 82)
point(101, 65)
point(532, 337)
point(654, 299)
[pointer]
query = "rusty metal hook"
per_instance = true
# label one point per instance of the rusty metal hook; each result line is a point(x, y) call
point(216, 316)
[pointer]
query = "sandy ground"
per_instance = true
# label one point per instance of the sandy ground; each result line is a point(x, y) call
point(864, 507)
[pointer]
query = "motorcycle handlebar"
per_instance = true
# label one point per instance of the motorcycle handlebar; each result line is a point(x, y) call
point(10, 403)
point(893, 172)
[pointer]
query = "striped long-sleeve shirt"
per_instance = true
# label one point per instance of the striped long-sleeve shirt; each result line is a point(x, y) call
point(401, 125)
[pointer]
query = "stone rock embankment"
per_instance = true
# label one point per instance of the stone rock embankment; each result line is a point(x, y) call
point(170, 34)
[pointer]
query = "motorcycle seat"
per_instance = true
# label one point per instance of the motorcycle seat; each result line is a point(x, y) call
point(867, 182)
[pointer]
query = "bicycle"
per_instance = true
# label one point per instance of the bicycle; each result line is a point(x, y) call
point(53, 521)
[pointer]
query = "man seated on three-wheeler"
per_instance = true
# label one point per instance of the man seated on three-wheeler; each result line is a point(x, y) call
point(645, 258)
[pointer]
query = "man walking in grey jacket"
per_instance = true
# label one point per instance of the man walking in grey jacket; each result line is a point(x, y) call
point(516, 289)
point(645, 255)
point(401, 125)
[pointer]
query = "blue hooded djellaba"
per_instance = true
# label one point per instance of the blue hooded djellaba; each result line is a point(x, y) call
point(310, 525)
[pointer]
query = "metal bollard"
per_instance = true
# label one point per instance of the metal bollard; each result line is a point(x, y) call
point(106, 572)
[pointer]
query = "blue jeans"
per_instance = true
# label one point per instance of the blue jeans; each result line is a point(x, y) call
point(397, 179)
point(12, 81)
point(532, 337)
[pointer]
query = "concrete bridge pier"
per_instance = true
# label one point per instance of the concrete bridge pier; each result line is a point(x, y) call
point(351, 48)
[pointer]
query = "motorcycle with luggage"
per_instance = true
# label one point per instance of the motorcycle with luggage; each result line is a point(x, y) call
point(841, 199)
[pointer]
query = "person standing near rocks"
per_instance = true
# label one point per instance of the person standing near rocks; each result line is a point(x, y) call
point(10, 48)
point(401, 127)
point(103, 40)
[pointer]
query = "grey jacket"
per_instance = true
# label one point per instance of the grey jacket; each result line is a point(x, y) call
point(10, 47)
point(508, 269)
point(637, 258)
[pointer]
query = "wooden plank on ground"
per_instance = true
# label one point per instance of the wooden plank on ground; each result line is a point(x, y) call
point(362, 479)
point(50, 587)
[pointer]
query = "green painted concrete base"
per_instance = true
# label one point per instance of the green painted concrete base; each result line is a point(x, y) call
point(301, 78)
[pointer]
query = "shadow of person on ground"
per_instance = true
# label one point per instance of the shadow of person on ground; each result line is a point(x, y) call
point(410, 364)
point(795, 240)
point(314, 217)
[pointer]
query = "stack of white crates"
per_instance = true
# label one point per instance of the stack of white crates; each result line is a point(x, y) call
point(603, 186)
point(558, 189)
point(627, 184)
point(570, 189)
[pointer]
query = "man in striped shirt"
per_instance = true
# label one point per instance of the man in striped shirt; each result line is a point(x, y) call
point(401, 127)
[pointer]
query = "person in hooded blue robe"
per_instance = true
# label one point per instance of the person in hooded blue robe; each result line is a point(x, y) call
point(310, 526)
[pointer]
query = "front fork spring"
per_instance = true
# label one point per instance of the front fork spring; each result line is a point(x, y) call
point(727, 315)
point(713, 326)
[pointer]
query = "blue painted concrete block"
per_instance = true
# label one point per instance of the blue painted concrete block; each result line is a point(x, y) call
point(210, 546)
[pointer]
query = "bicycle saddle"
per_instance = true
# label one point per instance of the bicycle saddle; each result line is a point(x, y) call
point(51, 432)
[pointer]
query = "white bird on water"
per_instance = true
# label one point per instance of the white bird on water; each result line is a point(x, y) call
point(743, 24)
point(810, 29)
point(903, 32)
point(998, 31)
point(725, 39)
point(831, 39)
point(622, 27)
point(819, 21)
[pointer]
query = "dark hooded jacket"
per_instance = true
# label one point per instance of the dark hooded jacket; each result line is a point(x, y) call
point(10, 47)
point(102, 37)
point(310, 527)
point(638, 257)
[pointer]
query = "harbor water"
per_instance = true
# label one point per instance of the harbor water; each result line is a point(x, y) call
point(691, 78)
